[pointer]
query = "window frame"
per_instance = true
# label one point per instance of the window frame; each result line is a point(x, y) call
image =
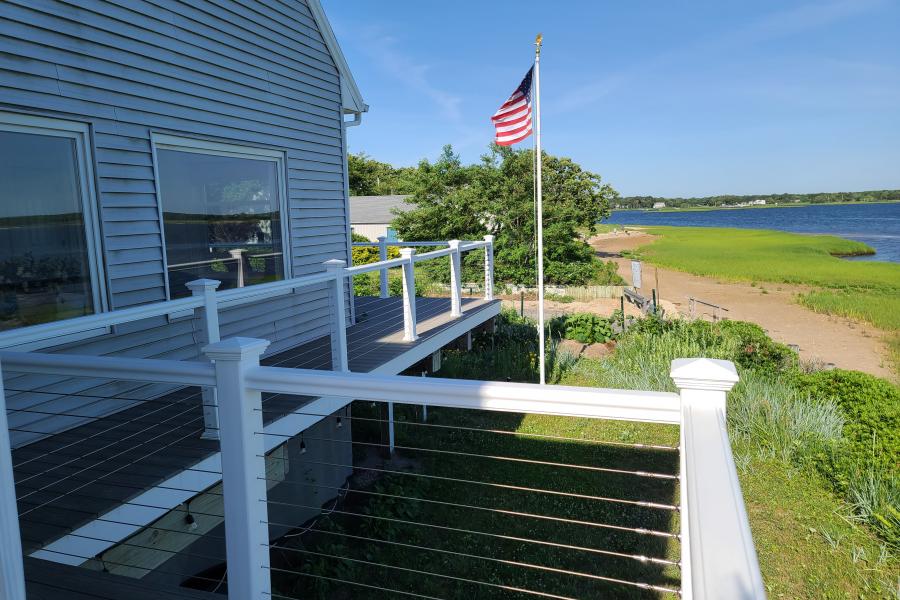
point(80, 133)
point(179, 143)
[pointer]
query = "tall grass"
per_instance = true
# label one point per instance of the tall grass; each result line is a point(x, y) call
point(762, 255)
point(882, 309)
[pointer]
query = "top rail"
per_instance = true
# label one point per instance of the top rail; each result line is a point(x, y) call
point(652, 407)
point(151, 370)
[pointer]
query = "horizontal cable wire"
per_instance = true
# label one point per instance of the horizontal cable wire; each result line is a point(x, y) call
point(130, 545)
point(139, 489)
point(96, 467)
point(117, 441)
point(504, 486)
point(85, 469)
point(637, 557)
point(114, 427)
point(529, 461)
point(502, 561)
point(502, 511)
point(70, 531)
point(646, 586)
point(335, 579)
point(103, 561)
point(480, 430)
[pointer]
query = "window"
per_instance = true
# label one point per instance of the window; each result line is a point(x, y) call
point(223, 213)
point(391, 234)
point(49, 241)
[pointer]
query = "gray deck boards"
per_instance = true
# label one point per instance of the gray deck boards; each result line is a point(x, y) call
point(71, 478)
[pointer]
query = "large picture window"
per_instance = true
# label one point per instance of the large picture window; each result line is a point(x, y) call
point(223, 213)
point(49, 247)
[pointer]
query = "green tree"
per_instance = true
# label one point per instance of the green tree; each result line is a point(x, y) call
point(369, 177)
point(496, 196)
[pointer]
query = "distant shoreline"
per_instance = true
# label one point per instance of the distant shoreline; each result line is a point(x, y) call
point(757, 206)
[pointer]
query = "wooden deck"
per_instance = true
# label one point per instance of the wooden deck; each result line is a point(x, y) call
point(70, 479)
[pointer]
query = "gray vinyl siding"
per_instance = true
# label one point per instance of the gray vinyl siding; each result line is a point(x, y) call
point(240, 71)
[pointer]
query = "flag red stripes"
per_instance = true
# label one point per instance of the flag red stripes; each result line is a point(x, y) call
point(513, 119)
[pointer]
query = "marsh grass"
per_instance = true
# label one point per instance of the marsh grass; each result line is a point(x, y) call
point(763, 255)
point(863, 290)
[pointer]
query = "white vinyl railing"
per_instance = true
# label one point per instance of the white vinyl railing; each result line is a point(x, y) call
point(718, 556)
point(206, 301)
point(454, 250)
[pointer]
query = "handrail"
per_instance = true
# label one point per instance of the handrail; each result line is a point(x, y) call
point(376, 266)
point(49, 334)
point(562, 400)
point(181, 372)
point(433, 254)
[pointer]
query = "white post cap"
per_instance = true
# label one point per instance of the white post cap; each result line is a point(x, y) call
point(453, 243)
point(407, 252)
point(203, 284)
point(489, 238)
point(703, 374)
point(335, 263)
point(236, 348)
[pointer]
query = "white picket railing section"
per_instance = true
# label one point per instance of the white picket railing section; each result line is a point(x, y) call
point(718, 556)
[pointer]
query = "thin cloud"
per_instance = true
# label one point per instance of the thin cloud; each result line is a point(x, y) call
point(384, 51)
point(779, 24)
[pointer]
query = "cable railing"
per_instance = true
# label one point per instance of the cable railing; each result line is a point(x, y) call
point(454, 249)
point(328, 496)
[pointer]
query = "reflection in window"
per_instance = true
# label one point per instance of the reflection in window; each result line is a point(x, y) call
point(44, 270)
point(222, 219)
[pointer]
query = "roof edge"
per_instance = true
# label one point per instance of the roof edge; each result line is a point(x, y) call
point(351, 98)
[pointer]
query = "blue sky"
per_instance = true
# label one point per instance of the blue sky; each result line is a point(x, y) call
point(660, 98)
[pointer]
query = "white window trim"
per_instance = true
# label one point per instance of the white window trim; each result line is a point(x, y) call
point(80, 133)
point(164, 141)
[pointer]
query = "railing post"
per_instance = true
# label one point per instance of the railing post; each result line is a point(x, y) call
point(455, 279)
point(409, 295)
point(209, 324)
point(719, 558)
point(243, 468)
point(339, 361)
point(382, 256)
point(12, 573)
point(238, 255)
point(489, 268)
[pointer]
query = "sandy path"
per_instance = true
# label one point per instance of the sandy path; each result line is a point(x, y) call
point(847, 344)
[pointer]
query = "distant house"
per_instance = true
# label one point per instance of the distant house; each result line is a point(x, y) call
point(659, 205)
point(372, 216)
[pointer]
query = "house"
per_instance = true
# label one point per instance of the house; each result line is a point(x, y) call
point(372, 216)
point(179, 345)
point(144, 147)
point(659, 205)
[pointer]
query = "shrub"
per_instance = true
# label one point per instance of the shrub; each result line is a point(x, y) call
point(582, 327)
point(872, 406)
point(756, 349)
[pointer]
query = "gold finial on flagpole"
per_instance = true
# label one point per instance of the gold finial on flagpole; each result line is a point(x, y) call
point(539, 40)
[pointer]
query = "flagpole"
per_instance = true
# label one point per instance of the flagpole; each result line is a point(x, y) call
point(540, 210)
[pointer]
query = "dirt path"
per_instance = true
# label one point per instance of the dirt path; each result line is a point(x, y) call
point(845, 343)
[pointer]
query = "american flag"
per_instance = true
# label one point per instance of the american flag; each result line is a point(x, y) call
point(513, 119)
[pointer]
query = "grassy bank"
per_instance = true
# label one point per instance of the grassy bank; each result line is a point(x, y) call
point(867, 291)
point(817, 452)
